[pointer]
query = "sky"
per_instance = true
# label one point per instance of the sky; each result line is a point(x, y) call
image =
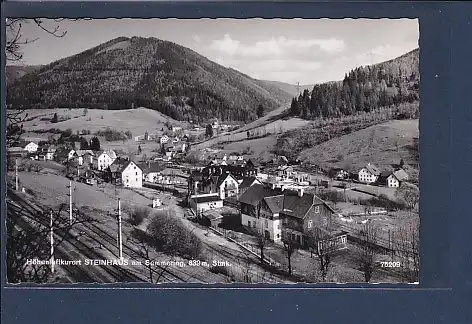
point(286, 50)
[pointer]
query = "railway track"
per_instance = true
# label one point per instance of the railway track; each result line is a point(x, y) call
point(71, 250)
point(107, 241)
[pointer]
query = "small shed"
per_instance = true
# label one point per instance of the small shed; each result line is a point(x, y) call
point(213, 218)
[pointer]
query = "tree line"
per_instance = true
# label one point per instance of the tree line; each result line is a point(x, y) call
point(363, 89)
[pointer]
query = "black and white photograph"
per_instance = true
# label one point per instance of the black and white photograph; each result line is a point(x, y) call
point(212, 151)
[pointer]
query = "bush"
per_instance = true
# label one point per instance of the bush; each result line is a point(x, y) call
point(137, 214)
point(171, 236)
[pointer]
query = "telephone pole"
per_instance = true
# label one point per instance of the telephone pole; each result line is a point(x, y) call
point(120, 239)
point(52, 243)
point(70, 201)
point(16, 174)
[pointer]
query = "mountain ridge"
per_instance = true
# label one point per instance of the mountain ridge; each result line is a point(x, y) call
point(149, 72)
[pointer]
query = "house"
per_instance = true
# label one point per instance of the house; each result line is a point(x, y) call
point(301, 214)
point(338, 174)
point(164, 139)
point(285, 171)
point(151, 171)
point(227, 186)
point(126, 172)
point(176, 128)
point(103, 160)
point(393, 179)
point(31, 147)
point(369, 174)
point(260, 207)
point(84, 157)
point(203, 202)
point(50, 152)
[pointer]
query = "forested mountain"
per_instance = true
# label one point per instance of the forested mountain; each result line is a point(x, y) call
point(14, 72)
point(293, 89)
point(148, 72)
point(364, 89)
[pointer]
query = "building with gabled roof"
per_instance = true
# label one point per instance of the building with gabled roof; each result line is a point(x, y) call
point(369, 174)
point(126, 173)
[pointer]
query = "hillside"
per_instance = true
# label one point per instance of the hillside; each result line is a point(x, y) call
point(146, 72)
point(287, 87)
point(364, 89)
point(383, 144)
point(15, 72)
point(137, 121)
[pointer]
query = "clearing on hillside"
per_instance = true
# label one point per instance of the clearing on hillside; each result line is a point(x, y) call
point(384, 144)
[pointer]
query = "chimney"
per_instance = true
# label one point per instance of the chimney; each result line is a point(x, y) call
point(300, 192)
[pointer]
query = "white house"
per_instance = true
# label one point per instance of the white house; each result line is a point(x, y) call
point(227, 186)
point(164, 139)
point(396, 178)
point(369, 174)
point(200, 203)
point(104, 160)
point(126, 173)
point(31, 147)
point(176, 128)
point(151, 171)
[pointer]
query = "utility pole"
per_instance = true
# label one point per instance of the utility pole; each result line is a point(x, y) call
point(52, 243)
point(120, 239)
point(16, 174)
point(70, 201)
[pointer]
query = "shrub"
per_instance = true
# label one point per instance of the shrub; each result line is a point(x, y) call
point(137, 214)
point(171, 236)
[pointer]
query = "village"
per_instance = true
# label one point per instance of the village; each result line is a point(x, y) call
point(274, 211)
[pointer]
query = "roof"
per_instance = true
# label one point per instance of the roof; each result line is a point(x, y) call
point(205, 199)
point(372, 169)
point(297, 206)
point(275, 203)
point(196, 176)
point(223, 177)
point(401, 175)
point(247, 182)
point(119, 165)
point(254, 194)
point(84, 152)
point(151, 167)
point(212, 215)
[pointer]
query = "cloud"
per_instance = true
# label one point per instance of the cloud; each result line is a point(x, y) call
point(276, 47)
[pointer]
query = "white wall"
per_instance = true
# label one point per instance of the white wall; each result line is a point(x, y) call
point(132, 176)
point(272, 226)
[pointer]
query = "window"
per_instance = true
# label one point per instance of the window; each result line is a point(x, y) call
point(249, 223)
point(317, 209)
point(136, 179)
point(278, 226)
point(310, 223)
point(254, 224)
point(136, 173)
point(266, 223)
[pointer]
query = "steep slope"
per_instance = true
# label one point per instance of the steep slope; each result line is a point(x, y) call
point(147, 72)
point(15, 72)
point(363, 89)
point(287, 87)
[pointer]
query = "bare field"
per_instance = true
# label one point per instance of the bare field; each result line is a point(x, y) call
point(135, 120)
point(381, 144)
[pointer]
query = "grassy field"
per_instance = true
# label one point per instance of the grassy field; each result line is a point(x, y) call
point(383, 145)
point(135, 120)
